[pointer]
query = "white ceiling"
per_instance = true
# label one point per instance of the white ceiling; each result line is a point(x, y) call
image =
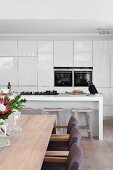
point(56, 9)
point(55, 16)
point(36, 26)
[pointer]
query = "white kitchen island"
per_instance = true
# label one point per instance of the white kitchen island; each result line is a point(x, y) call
point(67, 102)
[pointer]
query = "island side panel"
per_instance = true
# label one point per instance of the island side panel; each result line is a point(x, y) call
point(96, 103)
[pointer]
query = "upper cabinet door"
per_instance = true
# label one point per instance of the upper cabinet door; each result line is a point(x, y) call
point(27, 71)
point(45, 65)
point(27, 48)
point(101, 63)
point(8, 48)
point(8, 70)
point(63, 53)
point(82, 53)
point(111, 52)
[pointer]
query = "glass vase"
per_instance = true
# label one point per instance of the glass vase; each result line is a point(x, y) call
point(14, 122)
point(4, 137)
point(17, 121)
point(2, 127)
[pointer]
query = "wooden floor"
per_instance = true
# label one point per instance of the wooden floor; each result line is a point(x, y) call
point(98, 155)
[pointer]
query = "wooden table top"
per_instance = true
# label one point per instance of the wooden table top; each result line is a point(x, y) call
point(27, 149)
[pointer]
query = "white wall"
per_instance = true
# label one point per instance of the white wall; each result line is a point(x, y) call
point(56, 9)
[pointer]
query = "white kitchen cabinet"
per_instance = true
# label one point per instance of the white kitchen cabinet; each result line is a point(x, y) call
point(111, 71)
point(45, 65)
point(27, 71)
point(63, 53)
point(107, 95)
point(8, 48)
point(8, 71)
point(111, 66)
point(108, 112)
point(27, 88)
point(101, 63)
point(27, 48)
point(82, 53)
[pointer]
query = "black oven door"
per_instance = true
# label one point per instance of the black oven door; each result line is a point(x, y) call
point(62, 78)
point(81, 78)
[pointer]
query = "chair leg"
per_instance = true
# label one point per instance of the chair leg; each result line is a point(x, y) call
point(88, 122)
point(91, 136)
point(45, 113)
point(60, 121)
point(89, 127)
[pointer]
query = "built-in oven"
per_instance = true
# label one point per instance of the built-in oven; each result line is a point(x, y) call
point(62, 77)
point(82, 76)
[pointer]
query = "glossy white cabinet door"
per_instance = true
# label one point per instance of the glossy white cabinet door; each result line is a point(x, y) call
point(108, 111)
point(27, 48)
point(63, 53)
point(101, 63)
point(111, 52)
point(8, 70)
point(107, 95)
point(45, 65)
point(28, 71)
point(8, 48)
point(82, 53)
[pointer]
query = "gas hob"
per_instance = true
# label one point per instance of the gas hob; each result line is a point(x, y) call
point(54, 92)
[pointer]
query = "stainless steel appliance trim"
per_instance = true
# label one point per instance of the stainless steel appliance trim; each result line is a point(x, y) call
point(66, 70)
point(82, 70)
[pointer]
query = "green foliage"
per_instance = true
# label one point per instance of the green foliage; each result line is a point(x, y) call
point(15, 104)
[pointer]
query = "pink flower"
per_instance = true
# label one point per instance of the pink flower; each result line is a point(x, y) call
point(6, 101)
point(4, 105)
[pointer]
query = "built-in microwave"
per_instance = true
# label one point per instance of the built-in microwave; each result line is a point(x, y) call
point(82, 76)
point(63, 77)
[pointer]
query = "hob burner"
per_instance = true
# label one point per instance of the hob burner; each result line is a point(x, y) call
point(48, 92)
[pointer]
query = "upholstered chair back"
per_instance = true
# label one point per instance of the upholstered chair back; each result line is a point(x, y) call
point(75, 136)
point(75, 158)
point(72, 122)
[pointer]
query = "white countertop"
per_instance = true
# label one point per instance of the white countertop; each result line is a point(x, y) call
point(63, 97)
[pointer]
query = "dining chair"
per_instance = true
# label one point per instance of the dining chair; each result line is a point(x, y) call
point(73, 161)
point(72, 122)
point(64, 143)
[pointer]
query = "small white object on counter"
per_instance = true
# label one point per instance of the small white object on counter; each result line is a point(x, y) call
point(5, 91)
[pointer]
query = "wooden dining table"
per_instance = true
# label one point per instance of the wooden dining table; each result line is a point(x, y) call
point(27, 148)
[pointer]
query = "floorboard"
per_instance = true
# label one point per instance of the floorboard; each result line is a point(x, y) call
point(98, 155)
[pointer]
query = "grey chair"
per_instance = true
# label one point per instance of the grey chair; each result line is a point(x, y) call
point(72, 122)
point(74, 160)
point(64, 145)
